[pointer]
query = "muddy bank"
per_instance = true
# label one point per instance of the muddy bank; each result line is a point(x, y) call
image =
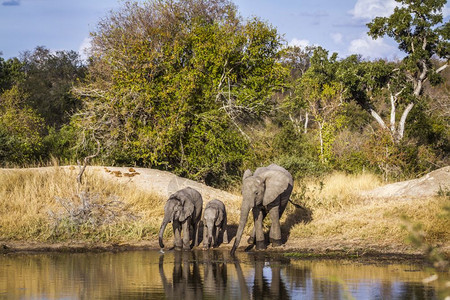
point(368, 255)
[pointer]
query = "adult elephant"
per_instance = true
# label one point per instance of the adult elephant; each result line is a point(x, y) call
point(184, 210)
point(267, 191)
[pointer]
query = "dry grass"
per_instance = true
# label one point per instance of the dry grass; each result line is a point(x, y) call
point(39, 205)
point(33, 207)
point(340, 215)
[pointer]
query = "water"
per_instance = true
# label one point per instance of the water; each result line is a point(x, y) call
point(207, 275)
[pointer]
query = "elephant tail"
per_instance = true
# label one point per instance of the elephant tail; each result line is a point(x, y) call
point(296, 205)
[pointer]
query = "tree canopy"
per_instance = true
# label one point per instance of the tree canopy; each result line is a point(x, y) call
point(171, 81)
point(193, 88)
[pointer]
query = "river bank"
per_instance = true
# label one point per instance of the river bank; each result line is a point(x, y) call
point(371, 256)
point(41, 209)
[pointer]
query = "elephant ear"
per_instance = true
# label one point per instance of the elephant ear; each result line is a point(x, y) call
point(276, 182)
point(247, 174)
point(219, 218)
point(188, 211)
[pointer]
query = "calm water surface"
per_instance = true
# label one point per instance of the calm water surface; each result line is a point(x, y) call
point(207, 275)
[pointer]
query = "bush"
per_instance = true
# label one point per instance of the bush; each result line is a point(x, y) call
point(20, 130)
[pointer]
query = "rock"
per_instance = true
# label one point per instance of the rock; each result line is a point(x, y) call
point(426, 186)
point(162, 183)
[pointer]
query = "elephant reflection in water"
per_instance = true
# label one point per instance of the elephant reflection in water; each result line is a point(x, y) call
point(186, 280)
point(215, 275)
point(263, 287)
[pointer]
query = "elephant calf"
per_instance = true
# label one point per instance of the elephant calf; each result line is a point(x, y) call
point(214, 220)
point(184, 210)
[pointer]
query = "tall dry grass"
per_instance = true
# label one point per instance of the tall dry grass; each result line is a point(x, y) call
point(40, 205)
point(342, 218)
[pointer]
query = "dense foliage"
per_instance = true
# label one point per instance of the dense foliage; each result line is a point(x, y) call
point(171, 82)
point(191, 87)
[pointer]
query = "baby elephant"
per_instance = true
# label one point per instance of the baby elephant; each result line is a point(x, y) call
point(184, 210)
point(214, 220)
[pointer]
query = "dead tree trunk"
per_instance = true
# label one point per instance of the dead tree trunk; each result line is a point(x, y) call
point(85, 163)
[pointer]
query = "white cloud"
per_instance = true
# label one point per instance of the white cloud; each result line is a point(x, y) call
point(84, 48)
point(299, 43)
point(337, 37)
point(370, 48)
point(369, 9)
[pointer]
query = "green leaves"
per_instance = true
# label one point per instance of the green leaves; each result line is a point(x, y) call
point(171, 82)
point(414, 25)
point(20, 129)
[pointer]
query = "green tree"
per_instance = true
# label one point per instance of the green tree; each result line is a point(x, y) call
point(47, 82)
point(417, 27)
point(322, 95)
point(298, 61)
point(10, 73)
point(172, 83)
point(375, 87)
point(20, 129)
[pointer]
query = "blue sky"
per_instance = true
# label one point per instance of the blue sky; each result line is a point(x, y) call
point(337, 25)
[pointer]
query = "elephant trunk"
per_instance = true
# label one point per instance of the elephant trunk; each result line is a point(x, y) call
point(242, 221)
point(208, 236)
point(161, 232)
point(210, 224)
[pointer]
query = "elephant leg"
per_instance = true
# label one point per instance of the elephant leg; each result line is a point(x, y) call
point(186, 235)
point(225, 231)
point(251, 238)
point(216, 236)
point(275, 229)
point(225, 235)
point(195, 235)
point(259, 234)
point(177, 235)
point(205, 236)
point(198, 233)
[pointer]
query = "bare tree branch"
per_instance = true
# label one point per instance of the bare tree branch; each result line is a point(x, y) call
point(85, 163)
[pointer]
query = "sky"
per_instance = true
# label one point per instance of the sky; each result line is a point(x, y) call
point(336, 25)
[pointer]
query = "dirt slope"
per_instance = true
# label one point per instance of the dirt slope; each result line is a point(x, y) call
point(162, 183)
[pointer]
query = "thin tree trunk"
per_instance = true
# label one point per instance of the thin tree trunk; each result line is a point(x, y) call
point(378, 118)
point(85, 163)
point(401, 125)
point(306, 122)
point(393, 100)
point(321, 141)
